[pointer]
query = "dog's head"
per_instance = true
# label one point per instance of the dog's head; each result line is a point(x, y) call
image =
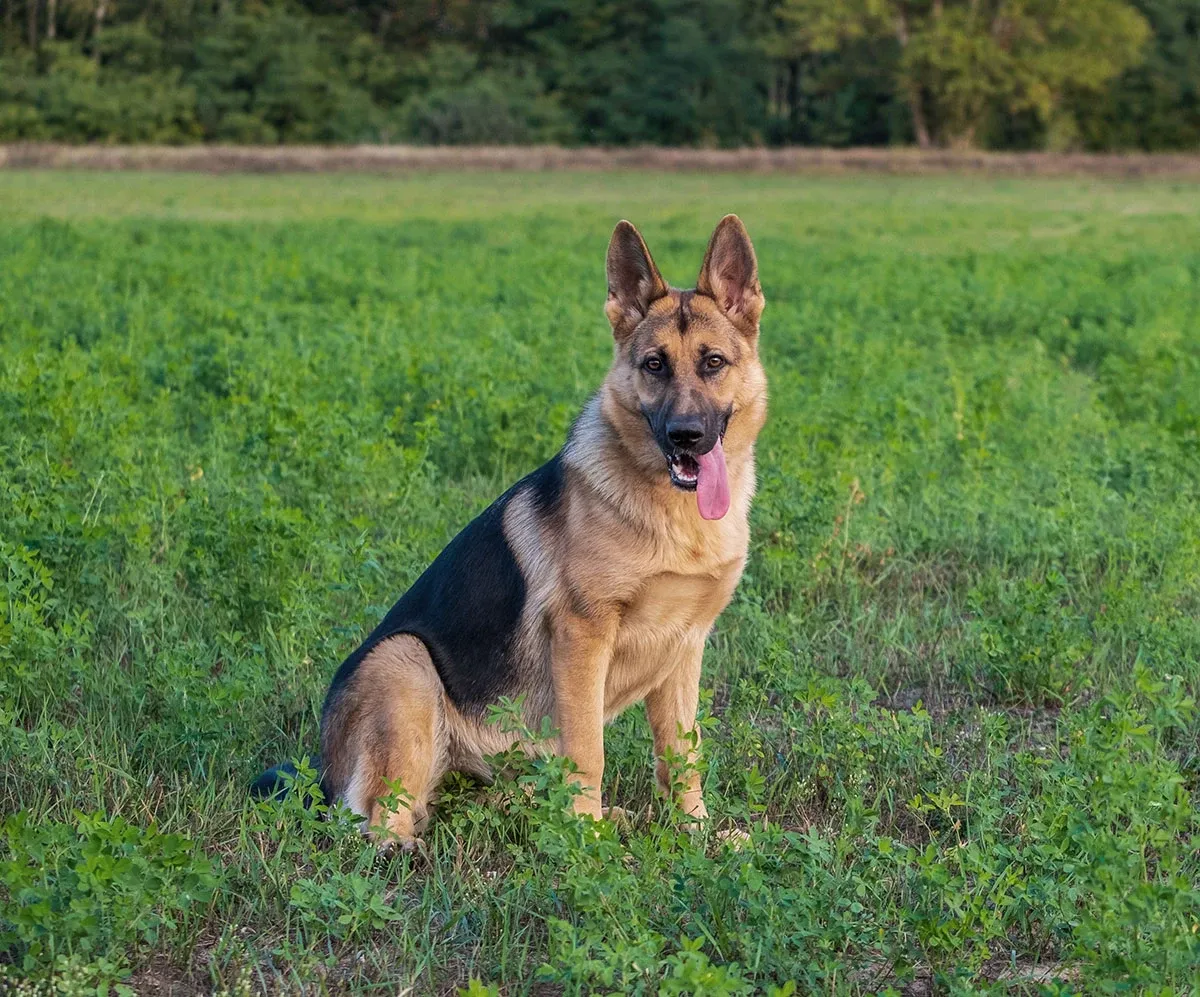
point(686, 374)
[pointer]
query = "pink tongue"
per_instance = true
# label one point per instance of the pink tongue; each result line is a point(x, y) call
point(712, 484)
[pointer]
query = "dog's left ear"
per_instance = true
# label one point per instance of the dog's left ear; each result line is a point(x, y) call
point(729, 275)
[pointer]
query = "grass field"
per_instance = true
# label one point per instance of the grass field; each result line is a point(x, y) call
point(952, 701)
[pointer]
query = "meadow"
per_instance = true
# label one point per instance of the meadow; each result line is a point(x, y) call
point(953, 702)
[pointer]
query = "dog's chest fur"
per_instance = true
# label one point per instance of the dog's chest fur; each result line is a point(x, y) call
point(669, 572)
point(670, 613)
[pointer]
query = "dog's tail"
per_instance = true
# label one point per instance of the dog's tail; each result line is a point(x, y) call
point(274, 783)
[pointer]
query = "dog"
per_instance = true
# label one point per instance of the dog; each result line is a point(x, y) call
point(593, 582)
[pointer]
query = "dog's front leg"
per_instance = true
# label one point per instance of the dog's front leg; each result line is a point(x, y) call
point(580, 651)
point(671, 710)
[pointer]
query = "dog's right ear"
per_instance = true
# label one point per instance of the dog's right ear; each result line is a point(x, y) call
point(633, 280)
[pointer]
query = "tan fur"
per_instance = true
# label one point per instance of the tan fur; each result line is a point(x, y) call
point(624, 579)
point(394, 723)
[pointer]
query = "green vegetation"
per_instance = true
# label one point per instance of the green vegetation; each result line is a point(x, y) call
point(966, 64)
point(952, 702)
point(1044, 74)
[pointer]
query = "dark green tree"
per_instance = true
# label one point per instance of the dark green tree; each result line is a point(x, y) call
point(1156, 104)
point(656, 71)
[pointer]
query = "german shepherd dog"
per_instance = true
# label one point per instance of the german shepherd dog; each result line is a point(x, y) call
point(592, 583)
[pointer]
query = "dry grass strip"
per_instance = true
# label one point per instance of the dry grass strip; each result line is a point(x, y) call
point(408, 158)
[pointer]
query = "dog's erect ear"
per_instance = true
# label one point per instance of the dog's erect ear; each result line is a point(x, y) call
point(633, 280)
point(729, 275)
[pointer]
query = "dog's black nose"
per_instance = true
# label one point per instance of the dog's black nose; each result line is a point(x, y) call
point(685, 432)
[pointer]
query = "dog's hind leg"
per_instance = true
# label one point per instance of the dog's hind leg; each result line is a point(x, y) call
point(388, 730)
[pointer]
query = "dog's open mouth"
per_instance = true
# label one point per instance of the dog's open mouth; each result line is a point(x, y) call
point(704, 474)
point(685, 471)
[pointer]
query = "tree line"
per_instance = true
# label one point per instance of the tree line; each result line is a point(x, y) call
point(1011, 74)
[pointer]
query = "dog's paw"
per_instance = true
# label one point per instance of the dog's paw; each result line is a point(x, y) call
point(393, 847)
point(733, 837)
point(618, 815)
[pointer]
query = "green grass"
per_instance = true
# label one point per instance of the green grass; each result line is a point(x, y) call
point(952, 700)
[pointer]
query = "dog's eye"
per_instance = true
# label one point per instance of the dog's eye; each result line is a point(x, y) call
point(714, 362)
point(653, 364)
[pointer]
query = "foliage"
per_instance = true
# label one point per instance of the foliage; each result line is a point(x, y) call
point(466, 104)
point(674, 72)
point(97, 886)
point(963, 60)
point(1018, 73)
point(1156, 103)
point(264, 74)
point(63, 94)
point(952, 706)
